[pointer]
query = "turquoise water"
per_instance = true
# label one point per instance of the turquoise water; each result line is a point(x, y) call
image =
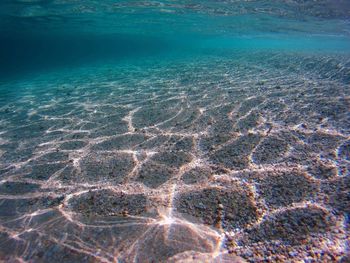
point(50, 35)
point(174, 131)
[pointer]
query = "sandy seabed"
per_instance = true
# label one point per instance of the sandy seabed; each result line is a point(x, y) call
point(219, 160)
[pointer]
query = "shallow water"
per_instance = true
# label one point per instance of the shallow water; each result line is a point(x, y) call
point(174, 131)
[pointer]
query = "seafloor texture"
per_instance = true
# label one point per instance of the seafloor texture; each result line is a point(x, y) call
point(220, 160)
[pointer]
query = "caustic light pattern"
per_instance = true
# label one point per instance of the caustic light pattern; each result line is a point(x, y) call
point(168, 163)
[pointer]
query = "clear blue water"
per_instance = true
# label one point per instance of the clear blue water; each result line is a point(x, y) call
point(174, 131)
point(44, 35)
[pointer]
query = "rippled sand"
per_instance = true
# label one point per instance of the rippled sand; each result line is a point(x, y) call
point(224, 160)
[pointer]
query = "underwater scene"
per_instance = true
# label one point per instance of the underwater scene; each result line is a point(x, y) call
point(174, 131)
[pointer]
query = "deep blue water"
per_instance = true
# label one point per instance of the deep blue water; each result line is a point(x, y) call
point(43, 35)
point(174, 131)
